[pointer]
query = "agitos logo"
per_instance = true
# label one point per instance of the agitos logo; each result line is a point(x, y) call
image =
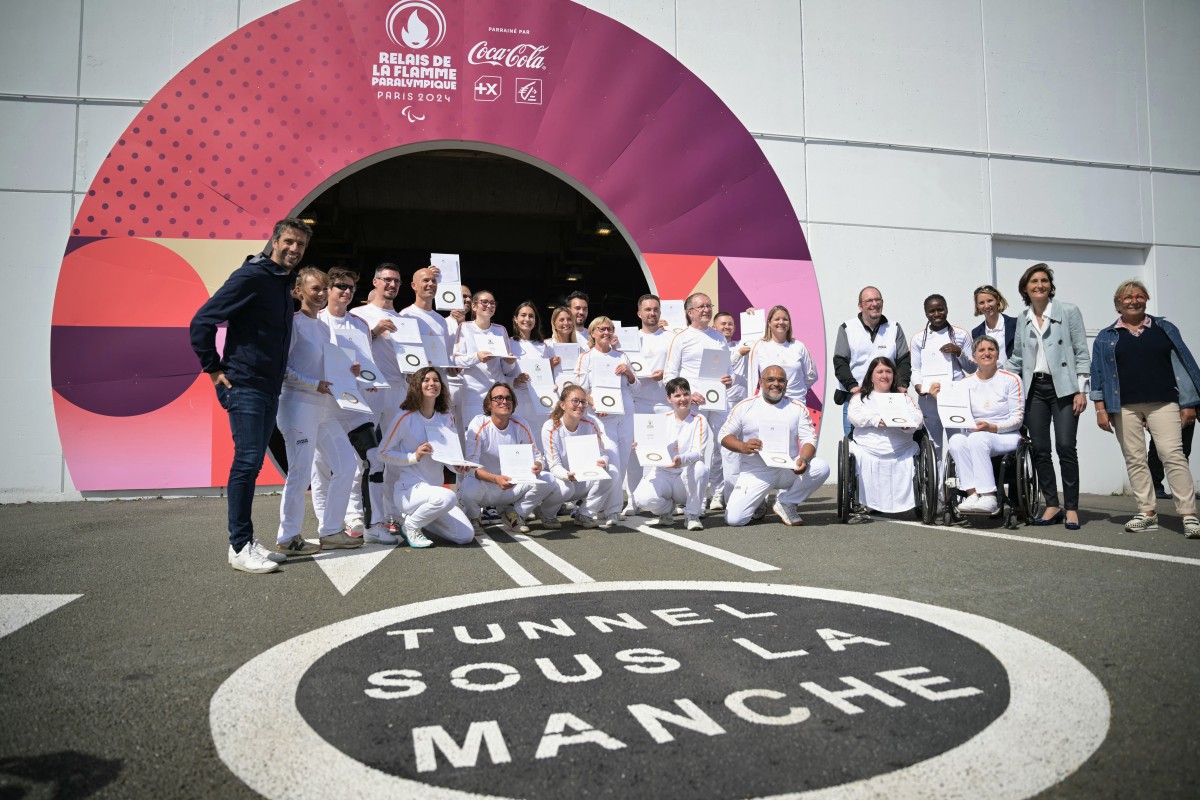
point(662, 690)
point(421, 24)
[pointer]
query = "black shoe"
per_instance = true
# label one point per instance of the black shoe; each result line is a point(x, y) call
point(1161, 493)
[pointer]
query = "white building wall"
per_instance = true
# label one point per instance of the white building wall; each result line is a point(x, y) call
point(930, 145)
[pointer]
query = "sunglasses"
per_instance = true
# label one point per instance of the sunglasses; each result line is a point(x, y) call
point(502, 398)
point(344, 287)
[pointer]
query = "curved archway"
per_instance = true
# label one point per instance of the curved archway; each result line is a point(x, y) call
point(263, 119)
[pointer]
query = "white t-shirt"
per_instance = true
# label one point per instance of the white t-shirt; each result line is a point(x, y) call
point(998, 400)
point(399, 447)
point(306, 356)
point(554, 436)
point(793, 357)
point(683, 356)
point(381, 348)
point(747, 418)
point(687, 438)
point(484, 440)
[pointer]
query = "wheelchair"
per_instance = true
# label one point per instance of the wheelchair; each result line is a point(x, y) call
point(925, 485)
point(1016, 487)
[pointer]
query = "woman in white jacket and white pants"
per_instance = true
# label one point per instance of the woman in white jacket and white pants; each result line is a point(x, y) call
point(570, 418)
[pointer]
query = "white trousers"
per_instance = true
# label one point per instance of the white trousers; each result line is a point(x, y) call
point(308, 426)
point(972, 452)
point(523, 497)
point(718, 457)
point(661, 489)
point(635, 470)
point(753, 485)
point(591, 495)
point(619, 428)
point(434, 509)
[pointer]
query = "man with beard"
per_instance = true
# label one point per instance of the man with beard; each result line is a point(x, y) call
point(772, 415)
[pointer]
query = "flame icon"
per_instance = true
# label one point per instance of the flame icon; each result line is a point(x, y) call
point(415, 33)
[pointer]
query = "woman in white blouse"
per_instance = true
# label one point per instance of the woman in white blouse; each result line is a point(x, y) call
point(777, 348)
point(884, 454)
point(601, 367)
point(526, 342)
point(482, 350)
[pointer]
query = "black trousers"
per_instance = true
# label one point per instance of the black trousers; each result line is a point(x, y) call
point(1045, 409)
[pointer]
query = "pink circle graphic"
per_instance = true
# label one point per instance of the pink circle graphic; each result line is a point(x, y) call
point(262, 122)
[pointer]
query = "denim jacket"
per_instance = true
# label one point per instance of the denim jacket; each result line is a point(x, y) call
point(1065, 342)
point(1106, 385)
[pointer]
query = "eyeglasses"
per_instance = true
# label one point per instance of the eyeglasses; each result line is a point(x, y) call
point(707, 306)
point(502, 398)
point(344, 287)
point(604, 328)
point(488, 303)
point(1134, 298)
point(577, 401)
point(389, 280)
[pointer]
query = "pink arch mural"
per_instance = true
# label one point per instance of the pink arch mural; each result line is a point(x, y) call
point(254, 127)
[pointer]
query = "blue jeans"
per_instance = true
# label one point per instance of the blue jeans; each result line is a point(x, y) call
point(251, 421)
point(1045, 409)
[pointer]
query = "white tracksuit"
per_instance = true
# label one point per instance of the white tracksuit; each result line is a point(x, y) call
point(618, 427)
point(593, 494)
point(683, 359)
point(755, 478)
point(792, 357)
point(479, 376)
point(483, 447)
point(926, 345)
point(527, 402)
point(1001, 402)
point(662, 487)
point(649, 397)
point(419, 493)
point(310, 421)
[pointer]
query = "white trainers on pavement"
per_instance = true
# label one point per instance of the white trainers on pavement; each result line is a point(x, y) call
point(694, 524)
point(789, 513)
point(1142, 523)
point(356, 527)
point(987, 504)
point(511, 521)
point(378, 534)
point(250, 561)
point(415, 537)
point(277, 558)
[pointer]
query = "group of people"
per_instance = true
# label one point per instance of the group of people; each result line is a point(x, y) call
point(735, 428)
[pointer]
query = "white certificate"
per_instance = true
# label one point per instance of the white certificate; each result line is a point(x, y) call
point(344, 386)
point(449, 297)
point(568, 352)
point(954, 406)
point(714, 363)
point(446, 447)
point(435, 349)
point(411, 357)
point(630, 339)
point(896, 410)
point(603, 369)
point(713, 392)
point(673, 313)
point(935, 365)
point(449, 267)
point(582, 454)
point(608, 400)
point(489, 342)
point(357, 345)
point(653, 442)
point(753, 326)
point(516, 463)
point(408, 330)
point(540, 389)
point(776, 451)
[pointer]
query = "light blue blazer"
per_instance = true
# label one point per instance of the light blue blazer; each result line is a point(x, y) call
point(1066, 345)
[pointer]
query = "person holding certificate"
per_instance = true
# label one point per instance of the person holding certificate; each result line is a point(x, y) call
point(776, 443)
point(419, 494)
point(518, 487)
point(1050, 353)
point(563, 344)
point(583, 475)
point(777, 348)
point(606, 374)
point(482, 351)
point(998, 406)
point(526, 343)
point(310, 419)
point(883, 445)
point(685, 478)
point(939, 355)
point(648, 363)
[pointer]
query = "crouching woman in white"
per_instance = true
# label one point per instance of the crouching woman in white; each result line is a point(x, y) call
point(770, 414)
point(570, 418)
point(998, 406)
point(487, 485)
point(420, 496)
point(884, 454)
point(685, 479)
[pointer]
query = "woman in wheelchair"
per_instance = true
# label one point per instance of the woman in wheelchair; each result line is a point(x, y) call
point(998, 407)
point(883, 453)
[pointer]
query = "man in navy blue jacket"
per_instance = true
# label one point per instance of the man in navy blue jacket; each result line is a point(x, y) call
point(256, 303)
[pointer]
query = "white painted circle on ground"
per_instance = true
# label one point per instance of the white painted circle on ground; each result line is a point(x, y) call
point(1057, 715)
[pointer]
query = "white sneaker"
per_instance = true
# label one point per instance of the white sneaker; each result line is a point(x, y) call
point(249, 560)
point(789, 513)
point(378, 534)
point(969, 504)
point(716, 504)
point(415, 537)
point(988, 504)
point(678, 511)
point(653, 521)
point(694, 524)
point(630, 510)
point(356, 527)
point(586, 522)
point(608, 523)
point(277, 558)
point(512, 522)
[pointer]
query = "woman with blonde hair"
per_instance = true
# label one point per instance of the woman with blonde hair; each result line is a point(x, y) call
point(991, 305)
point(1145, 378)
point(570, 418)
point(777, 348)
point(605, 367)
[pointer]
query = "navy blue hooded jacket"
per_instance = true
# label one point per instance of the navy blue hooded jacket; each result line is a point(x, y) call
point(256, 301)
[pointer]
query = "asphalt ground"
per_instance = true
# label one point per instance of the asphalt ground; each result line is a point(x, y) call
point(109, 695)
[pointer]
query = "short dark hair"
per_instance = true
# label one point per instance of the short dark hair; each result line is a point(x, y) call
point(577, 295)
point(295, 224)
point(487, 398)
point(867, 385)
point(676, 384)
point(338, 273)
point(720, 314)
point(1028, 275)
point(646, 297)
point(387, 266)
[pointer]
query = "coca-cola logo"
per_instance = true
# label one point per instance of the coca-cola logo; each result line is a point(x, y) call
point(527, 56)
point(416, 24)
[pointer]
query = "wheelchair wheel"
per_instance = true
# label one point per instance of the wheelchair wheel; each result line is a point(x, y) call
point(1028, 497)
point(845, 476)
point(925, 482)
point(949, 493)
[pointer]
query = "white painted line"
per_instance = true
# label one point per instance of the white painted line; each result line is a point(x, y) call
point(18, 610)
point(519, 574)
point(1108, 551)
point(345, 568)
point(538, 549)
point(708, 550)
